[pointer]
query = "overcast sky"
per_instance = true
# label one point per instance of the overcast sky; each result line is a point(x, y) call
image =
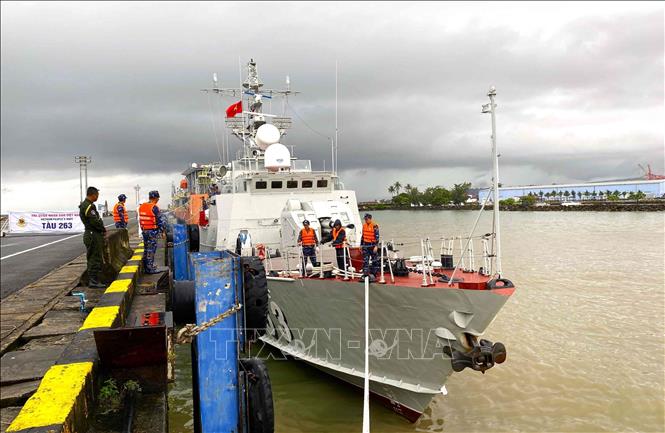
point(580, 90)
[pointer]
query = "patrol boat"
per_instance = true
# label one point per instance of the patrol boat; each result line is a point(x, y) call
point(427, 313)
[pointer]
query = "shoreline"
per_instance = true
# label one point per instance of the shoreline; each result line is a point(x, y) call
point(646, 206)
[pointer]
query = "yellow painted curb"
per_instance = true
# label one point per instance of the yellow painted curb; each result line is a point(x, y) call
point(140, 244)
point(137, 257)
point(101, 317)
point(55, 398)
point(138, 250)
point(119, 286)
point(129, 269)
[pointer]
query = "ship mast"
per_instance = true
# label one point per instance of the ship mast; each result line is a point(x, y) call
point(491, 108)
point(245, 125)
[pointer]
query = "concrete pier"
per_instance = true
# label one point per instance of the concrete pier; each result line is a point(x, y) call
point(51, 370)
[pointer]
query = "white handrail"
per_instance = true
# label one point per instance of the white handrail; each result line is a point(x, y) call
point(346, 266)
point(383, 279)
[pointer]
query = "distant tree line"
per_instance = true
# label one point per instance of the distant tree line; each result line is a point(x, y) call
point(408, 195)
point(531, 198)
point(595, 195)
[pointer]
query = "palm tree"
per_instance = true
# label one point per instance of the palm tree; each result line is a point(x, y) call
point(587, 194)
point(541, 193)
point(560, 193)
point(594, 194)
point(398, 187)
point(639, 195)
point(566, 194)
point(573, 193)
point(391, 190)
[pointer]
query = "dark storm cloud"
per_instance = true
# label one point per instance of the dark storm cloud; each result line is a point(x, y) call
point(122, 82)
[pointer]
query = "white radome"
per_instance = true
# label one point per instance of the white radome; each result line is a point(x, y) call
point(277, 156)
point(266, 135)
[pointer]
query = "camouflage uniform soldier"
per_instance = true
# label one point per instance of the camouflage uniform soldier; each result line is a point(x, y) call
point(93, 238)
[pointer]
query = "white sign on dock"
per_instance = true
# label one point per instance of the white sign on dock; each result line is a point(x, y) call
point(45, 222)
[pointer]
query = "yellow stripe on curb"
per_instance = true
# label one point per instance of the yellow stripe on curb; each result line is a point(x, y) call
point(138, 250)
point(129, 269)
point(55, 398)
point(101, 317)
point(140, 244)
point(137, 257)
point(119, 286)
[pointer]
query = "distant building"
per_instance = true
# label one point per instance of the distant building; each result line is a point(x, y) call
point(651, 188)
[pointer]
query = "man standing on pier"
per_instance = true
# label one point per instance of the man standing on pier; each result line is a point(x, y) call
point(93, 237)
point(152, 225)
point(120, 215)
point(369, 242)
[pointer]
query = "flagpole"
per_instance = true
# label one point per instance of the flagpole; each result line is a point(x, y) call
point(336, 129)
point(244, 144)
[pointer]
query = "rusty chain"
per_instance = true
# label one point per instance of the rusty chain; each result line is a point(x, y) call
point(189, 331)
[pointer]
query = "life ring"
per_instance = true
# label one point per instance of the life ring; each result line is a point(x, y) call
point(261, 251)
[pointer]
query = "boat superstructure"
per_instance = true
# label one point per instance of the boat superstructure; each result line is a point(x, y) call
point(427, 312)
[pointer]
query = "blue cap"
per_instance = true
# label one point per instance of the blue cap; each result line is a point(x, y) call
point(122, 197)
point(368, 215)
point(337, 223)
point(306, 222)
point(153, 194)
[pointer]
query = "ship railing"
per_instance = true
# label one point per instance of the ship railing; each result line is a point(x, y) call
point(425, 263)
point(461, 247)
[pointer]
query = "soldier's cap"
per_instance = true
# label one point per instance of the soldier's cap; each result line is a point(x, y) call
point(122, 197)
point(368, 216)
point(306, 222)
point(337, 223)
point(91, 190)
point(153, 194)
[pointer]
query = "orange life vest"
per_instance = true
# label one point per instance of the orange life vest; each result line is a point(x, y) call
point(308, 237)
point(335, 232)
point(368, 232)
point(116, 214)
point(147, 218)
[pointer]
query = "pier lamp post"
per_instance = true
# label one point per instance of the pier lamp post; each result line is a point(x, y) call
point(137, 188)
point(83, 162)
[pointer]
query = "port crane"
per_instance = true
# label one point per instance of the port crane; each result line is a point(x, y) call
point(648, 174)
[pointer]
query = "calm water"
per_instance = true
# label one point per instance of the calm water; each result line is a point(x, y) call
point(585, 334)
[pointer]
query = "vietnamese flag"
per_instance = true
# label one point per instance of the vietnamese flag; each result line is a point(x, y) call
point(234, 109)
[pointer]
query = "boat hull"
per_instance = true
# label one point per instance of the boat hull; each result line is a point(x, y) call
point(413, 331)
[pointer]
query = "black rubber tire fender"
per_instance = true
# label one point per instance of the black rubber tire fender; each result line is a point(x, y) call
point(183, 299)
point(260, 409)
point(255, 285)
point(168, 258)
point(193, 236)
point(505, 284)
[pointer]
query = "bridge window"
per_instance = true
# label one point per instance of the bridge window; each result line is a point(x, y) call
point(261, 184)
point(307, 183)
point(321, 183)
point(292, 184)
point(276, 184)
